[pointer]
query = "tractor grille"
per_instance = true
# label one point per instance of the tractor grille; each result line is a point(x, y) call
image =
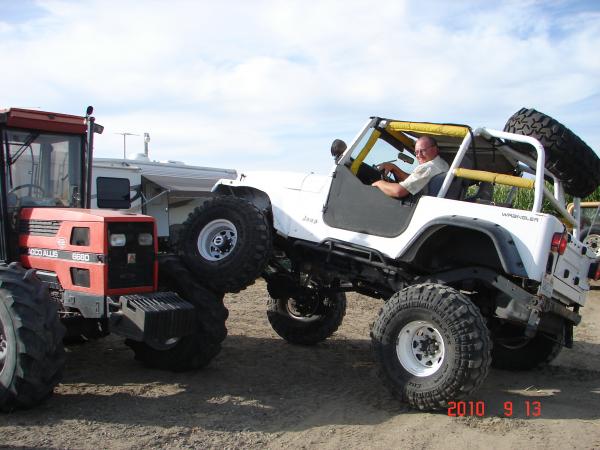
point(39, 227)
point(132, 264)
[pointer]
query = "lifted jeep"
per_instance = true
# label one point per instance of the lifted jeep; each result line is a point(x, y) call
point(468, 281)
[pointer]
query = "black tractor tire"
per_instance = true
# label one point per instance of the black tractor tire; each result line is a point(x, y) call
point(307, 324)
point(32, 356)
point(513, 351)
point(196, 350)
point(226, 242)
point(591, 238)
point(569, 158)
point(432, 346)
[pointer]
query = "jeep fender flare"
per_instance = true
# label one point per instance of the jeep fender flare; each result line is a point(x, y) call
point(504, 244)
point(258, 198)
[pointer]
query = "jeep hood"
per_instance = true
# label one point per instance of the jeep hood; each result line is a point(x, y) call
point(288, 180)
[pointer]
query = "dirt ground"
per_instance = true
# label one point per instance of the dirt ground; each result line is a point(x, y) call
point(262, 392)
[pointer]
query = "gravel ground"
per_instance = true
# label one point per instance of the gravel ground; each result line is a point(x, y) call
point(262, 392)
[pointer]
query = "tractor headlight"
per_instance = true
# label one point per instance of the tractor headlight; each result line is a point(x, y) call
point(117, 240)
point(145, 238)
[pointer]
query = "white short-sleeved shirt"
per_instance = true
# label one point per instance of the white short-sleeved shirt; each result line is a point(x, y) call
point(419, 177)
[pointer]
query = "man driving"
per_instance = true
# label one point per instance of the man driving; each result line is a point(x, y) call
point(430, 164)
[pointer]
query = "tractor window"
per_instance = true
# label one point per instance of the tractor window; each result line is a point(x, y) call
point(44, 169)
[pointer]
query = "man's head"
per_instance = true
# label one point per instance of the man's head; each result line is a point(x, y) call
point(426, 149)
point(337, 148)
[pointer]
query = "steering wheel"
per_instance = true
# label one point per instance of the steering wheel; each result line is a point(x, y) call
point(30, 186)
point(390, 176)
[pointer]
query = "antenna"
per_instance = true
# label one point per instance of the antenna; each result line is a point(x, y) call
point(146, 142)
point(125, 134)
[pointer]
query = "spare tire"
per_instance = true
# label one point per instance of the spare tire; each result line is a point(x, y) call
point(567, 157)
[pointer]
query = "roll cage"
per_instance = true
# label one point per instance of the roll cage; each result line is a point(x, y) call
point(491, 155)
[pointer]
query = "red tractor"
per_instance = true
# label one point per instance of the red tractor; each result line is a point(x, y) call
point(67, 271)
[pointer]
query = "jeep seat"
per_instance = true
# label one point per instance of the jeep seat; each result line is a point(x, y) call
point(456, 191)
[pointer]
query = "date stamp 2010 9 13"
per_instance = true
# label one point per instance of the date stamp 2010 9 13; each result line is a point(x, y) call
point(527, 408)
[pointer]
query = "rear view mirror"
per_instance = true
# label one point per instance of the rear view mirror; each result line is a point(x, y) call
point(406, 158)
point(113, 193)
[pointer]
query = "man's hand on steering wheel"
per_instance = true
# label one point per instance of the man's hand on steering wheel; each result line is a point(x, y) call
point(387, 173)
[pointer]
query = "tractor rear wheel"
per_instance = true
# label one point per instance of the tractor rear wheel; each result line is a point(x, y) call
point(196, 350)
point(32, 355)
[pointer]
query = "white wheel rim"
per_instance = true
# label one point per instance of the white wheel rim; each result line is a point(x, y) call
point(420, 348)
point(217, 240)
point(592, 241)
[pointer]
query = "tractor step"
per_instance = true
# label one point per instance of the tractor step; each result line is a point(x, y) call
point(154, 317)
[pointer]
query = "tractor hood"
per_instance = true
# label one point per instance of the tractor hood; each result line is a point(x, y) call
point(82, 215)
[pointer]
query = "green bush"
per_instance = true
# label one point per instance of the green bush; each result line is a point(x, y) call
point(523, 198)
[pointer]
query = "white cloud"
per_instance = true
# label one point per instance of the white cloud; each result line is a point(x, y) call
point(272, 83)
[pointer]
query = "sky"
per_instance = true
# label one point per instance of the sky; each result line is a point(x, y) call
point(268, 84)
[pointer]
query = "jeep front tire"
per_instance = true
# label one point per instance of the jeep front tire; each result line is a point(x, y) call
point(226, 243)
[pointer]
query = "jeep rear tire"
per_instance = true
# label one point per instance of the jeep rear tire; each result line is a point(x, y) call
point(567, 156)
point(192, 351)
point(432, 346)
point(513, 351)
point(227, 243)
point(32, 355)
point(309, 318)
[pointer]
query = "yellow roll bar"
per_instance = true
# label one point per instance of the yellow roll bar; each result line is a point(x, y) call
point(496, 178)
point(438, 129)
point(365, 151)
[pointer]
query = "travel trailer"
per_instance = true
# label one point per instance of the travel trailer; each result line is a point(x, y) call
point(168, 191)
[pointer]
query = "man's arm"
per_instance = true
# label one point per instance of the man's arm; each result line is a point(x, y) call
point(391, 189)
point(400, 174)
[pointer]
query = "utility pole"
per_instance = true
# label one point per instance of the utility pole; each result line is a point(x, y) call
point(124, 134)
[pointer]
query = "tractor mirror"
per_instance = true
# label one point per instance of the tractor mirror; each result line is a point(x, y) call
point(113, 193)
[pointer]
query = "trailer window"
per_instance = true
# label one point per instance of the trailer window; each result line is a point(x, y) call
point(43, 169)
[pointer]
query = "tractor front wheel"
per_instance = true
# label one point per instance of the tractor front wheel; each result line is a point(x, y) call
point(198, 349)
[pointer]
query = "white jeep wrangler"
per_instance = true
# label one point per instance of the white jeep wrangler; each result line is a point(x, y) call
point(468, 282)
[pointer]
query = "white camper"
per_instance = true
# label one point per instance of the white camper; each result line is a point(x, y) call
point(168, 191)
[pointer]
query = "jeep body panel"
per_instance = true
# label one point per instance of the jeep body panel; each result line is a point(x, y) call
point(298, 213)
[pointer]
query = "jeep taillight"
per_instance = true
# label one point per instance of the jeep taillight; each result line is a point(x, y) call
point(594, 272)
point(559, 243)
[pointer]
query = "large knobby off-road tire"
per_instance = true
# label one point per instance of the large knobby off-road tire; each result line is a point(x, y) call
point(226, 243)
point(196, 350)
point(567, 156)
point(591, 238)
point(307, 318)
point(32, 355)
point(513, 351)
point(432, 346)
